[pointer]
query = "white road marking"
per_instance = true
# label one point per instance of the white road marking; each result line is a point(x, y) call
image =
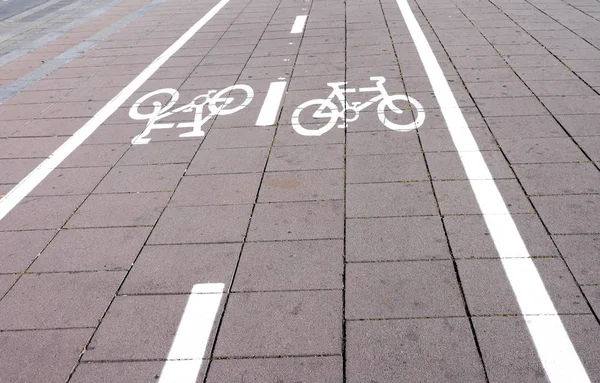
point(27, 184)
point(298, 26)
point(270, 107)
point(558, 356)
point(188, 348)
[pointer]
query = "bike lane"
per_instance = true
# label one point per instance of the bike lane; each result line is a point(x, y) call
point(303, 231)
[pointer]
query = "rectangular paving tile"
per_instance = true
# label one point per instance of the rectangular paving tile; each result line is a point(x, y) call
point(302, 186)
point(290, 265)
point(202, 224)
point(313, 157)
point(281, 323)
point(390, 199)
point(402, 290)
point(402, 238)
point(239, 160)
point(149, 178)
point(540, 150)
point(58, 300)
point(117, 372)
point(217, 189)
point(564, 178)
point(128, 209)
point(92, 249)
point(70, 181)
point(581, 254)
point(21, 248)
point(569, 214)
point(431, 350)
point(297, 369)
point(41, 213)
point(386, 168)
point(386, 142)
point(38, 356)
point(174, 269)
point(137, 328)
point(297, 220)
point(488, 292)
point(95, 155)
point(160, 153)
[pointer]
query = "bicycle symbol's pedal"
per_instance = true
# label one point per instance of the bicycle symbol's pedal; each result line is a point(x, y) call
point(342, 126)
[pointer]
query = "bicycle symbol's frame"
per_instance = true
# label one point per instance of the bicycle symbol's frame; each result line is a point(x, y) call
point(384, 99)
point(211, 98)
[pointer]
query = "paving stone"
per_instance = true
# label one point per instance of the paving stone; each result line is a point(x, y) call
point(240, 160)
point(580, 125)
point(314, 157)
point(469, 236)
point(488, 291)
point(387, 239)
point(34, 213)
point(148, 178)
point(69, 181)
point(58, 300)
point(457, 197)
point(388, 142)
point(290, 265)
point(386, 168)
point(572, 104)
point(160, 153)
point(239, 138)
point(30, 147)
point(402, 290)
point(21, 248)
point(513, 106)
point(202, 224)
point(590, 146)
point(287, 136)
point(117, 372)
point(298, 369)
point(6, 281)
point(221, 189)
point(302, 186)
point(131, 209)
point(390, 199)
point(137, 328)
point(14, 170)
point(572, 214)
point(281, 323)
point(41, 356)
point(174, 269)
point(92, 249)
point(297, 220)
point(524, 127)
point(565, 178)
point(581, 252)
point(541, 150)
point(95, 155)
point(431, 350)
point(560, 88)
point(448, 165)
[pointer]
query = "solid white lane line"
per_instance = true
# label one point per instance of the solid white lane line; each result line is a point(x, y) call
point(189, 345)
point(558, 356)
point(270, 107)
point(298, 26)
point(27, 184)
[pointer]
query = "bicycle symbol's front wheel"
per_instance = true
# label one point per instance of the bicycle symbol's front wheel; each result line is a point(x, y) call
point(227, 101)
point(325, 109)
point(388, 103)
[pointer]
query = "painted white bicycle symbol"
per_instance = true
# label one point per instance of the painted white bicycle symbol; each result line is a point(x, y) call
point(329, 111)
point(219, 103)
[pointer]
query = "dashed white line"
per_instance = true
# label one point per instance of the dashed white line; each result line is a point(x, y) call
point(298, 26)
point(23, 188)
point(270, 107)
point(189, 345)
point(558, 356)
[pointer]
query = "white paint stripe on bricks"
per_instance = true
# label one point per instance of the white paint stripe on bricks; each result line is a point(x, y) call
point(555, 349)
point(298, 26)
point(189, 345)
point(270, 107)
point(27, 184)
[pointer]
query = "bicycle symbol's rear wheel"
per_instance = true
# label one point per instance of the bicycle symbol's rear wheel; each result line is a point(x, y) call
point(224, 103)
point(306, 113)
point(388, 103)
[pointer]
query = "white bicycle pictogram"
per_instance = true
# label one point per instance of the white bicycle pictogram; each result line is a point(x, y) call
point(219, 103)
point(328, 110)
